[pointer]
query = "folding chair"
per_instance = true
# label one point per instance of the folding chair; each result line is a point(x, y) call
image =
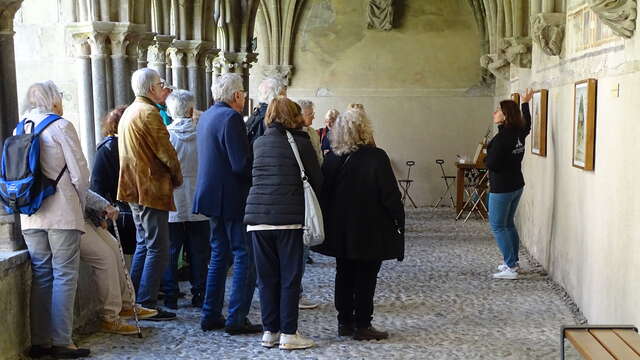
point(405, 184)
point(475, 202)
point(448, 185)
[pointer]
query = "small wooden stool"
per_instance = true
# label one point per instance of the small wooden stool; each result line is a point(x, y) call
point(598, 342)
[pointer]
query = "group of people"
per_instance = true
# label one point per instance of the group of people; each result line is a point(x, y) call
point(168, 180)
point(228, 195)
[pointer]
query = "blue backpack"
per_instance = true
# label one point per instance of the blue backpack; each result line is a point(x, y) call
point(23, 186)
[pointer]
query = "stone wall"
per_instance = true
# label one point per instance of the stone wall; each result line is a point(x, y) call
point(15, 285)
point(413, 79)
point(583, 225)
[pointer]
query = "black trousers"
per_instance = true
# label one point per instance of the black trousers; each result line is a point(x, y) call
point(355, 286)
point(278, 255)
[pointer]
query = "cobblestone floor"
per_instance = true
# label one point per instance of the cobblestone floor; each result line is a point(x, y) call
point(440, 303)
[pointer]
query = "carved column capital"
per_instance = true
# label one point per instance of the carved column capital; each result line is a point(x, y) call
point(278, 71)
point(143, 41)
point(195, 50)
point(517, 51)
point(8, 9)
point(235, 62)
point(497, 64)
point(619, 15)
point(548, 32)
point(159, 47)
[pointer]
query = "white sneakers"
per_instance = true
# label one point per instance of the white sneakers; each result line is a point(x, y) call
point(506, 273)
point(270, 339)
point(287, 342)
point(295, 342)
point(503, 267)
point(305, 304)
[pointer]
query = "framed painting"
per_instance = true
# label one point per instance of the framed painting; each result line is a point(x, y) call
point(516, 97)
point(539, 103)
point(584, 124)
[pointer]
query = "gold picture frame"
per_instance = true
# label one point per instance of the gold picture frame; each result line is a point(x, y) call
point(584, 124)
point(539, 109)
point(516, 97)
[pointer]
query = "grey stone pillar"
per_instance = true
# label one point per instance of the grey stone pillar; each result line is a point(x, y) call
point(208, 81)
point(9, 113)
point(85, 97)
point(10, 234)
point(145, 41)
point(158, 54)
point(99, 80)
point(120, 68)
point(179, 71)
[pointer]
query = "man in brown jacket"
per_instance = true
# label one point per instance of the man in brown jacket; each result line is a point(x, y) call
point(149, 171)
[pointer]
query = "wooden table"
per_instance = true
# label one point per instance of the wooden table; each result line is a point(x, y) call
point(462, 169)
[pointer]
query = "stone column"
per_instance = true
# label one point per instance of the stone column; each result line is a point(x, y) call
point(178, 58)
point(9, 113)
point(158, 54)
point(120, 67)
point(82, 52)
point(208, 79)
point(145, 40)
point(97, 41)
point(10, 235)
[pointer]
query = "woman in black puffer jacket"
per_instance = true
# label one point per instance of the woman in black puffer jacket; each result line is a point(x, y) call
point(274, 215)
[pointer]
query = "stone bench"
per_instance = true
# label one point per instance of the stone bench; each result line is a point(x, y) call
point(603, 342)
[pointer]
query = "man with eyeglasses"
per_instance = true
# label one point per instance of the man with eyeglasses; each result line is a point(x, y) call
point(149, 171)
point(222, 186)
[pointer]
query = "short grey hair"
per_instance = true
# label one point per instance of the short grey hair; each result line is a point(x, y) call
point(142, 80)
point(225, 87)
point(269, 89)
point(351, 130)
point(180, 103)
point(306, 104)
point(41, 96)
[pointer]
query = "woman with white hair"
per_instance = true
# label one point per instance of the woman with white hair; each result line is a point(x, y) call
point(268, 90)
point(185, 228)
point(309, 114)
point(329, 119)
point(53, 233)
point(364, 220)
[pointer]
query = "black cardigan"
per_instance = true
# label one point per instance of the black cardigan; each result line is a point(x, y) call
point(504, 156)
point(106, 169)
point(362, 207)
point(276, 196)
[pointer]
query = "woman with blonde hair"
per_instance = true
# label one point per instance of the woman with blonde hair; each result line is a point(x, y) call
point(275, 216)
point(363, 218)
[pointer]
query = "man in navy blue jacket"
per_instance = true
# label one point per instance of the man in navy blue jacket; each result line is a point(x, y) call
point(224, 165)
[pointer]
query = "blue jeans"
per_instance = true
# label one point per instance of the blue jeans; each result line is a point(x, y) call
point(229, 238)
point(55, 260)
point(152, 252)
point(502, 210)
point(194, 235)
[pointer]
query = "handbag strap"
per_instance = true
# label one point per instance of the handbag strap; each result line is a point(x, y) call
point(296, 153)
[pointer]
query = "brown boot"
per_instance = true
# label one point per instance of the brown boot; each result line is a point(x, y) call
point(370, 333)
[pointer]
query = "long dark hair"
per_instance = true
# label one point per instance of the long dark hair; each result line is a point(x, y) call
point(512, 114)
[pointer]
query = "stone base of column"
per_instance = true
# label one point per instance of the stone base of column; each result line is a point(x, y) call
point(10, 237)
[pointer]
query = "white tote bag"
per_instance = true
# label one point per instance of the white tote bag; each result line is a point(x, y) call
point(313, 225)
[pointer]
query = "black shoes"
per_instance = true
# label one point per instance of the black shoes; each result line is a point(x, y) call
point(212, 325)
point(58, 352)
point(246, 328)
point(346, 329)
point(61, 352)
point(38, 351)
point(309, 260)
point(162, 316)
point(171, 303)
point(370, 333)
point(197, 300)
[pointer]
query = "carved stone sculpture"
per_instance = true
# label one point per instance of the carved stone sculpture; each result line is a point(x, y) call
point(548, 32)
point(619, 15)
point(278, 71)
point(517, 51)
point(380, 14)
point(496, 64)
